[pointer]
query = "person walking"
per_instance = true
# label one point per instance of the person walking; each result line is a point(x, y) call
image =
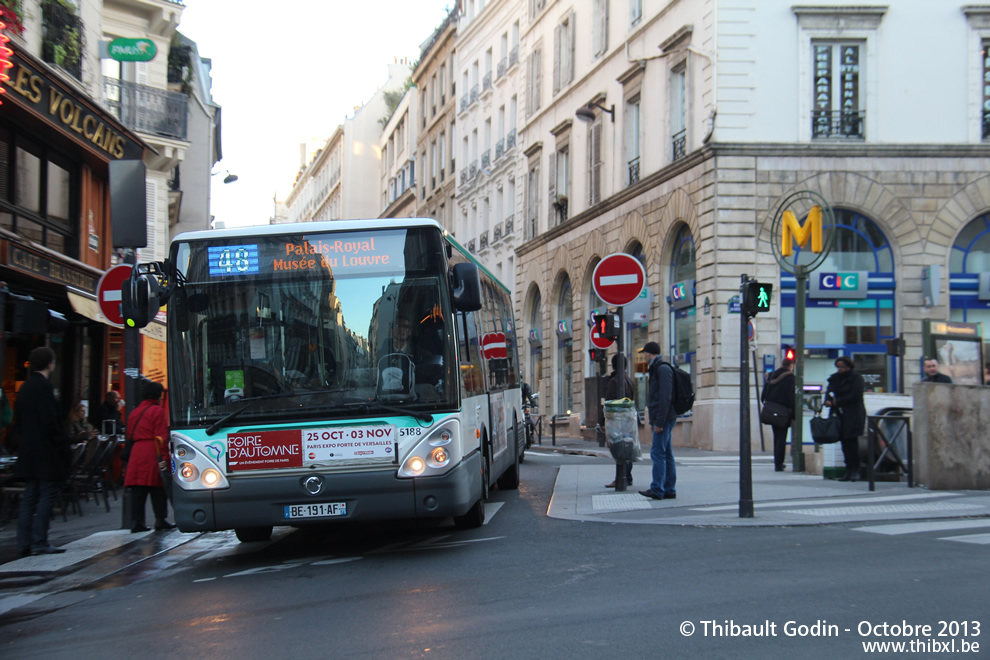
point(779, 389)
point(659, 400)
point(932, 374)
point(611, 393)
point(845, 392)
point(43, 456)
point(149, 433)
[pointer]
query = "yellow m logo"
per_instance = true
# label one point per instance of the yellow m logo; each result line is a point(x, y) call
point(793, 232)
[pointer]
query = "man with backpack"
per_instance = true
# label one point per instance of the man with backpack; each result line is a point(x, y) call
point(660, 404)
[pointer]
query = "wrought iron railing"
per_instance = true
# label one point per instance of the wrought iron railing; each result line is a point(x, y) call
point(510, 139)
point(464, 176)
point(496, 233)
point(473, 169)
point(678, 144)
point(509, 225)
point(503, 66)
point(486, 159)
point(483, 240)
point(514, 56)
point(839, 124)
point(471, 246)
point(474, 94)
point(486, 82)
point(634, 170)
point(499, 148)
point(147, 109)
point(464, 104)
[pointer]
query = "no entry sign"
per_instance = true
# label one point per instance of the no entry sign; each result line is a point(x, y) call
point(493, 346)
point(618, 279)
point(108, 293)
point(600, 342)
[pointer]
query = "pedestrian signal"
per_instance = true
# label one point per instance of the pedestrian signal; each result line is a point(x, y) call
point(756, 298)
point(789, 353)
point(607, 326)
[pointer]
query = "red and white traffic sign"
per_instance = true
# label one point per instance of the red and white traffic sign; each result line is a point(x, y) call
point(598, 341)
point(493, 346)
point(618, 279)
point(108, 293)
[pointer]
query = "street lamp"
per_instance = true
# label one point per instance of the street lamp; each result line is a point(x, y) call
point(230, 178)
point(588, 114)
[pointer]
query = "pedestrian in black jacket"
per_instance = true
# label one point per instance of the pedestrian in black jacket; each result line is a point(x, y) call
point(779, 388)
point(845, 392)
point(932, 374)
point(43, 457)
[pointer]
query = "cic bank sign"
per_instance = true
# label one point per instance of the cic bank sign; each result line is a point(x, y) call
point(812, 233)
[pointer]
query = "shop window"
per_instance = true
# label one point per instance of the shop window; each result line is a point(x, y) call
point(683, 335)
point(28, 189)
point(565, 362)
point(969, 259)
point(58, 192)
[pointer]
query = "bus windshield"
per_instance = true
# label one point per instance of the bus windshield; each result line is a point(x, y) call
point(311, 326)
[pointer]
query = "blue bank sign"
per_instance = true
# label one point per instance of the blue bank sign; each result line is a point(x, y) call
point(850, 284)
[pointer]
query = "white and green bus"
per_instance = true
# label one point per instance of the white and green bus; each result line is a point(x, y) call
point(294, 398)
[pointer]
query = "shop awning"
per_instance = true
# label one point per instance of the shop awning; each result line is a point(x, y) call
point(87, 307)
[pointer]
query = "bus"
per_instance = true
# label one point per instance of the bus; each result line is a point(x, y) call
point(337, 371)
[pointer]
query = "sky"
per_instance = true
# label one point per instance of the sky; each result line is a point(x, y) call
point(289, 72)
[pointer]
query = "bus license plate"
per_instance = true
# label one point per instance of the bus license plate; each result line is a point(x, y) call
point(295, 511)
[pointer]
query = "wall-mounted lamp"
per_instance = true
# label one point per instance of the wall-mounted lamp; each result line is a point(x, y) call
point(230, 178)
point(588, 114)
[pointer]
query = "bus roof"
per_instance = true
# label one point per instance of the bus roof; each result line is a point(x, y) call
point(307, 228)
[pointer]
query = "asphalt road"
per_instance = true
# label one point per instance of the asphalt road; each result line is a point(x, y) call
point(522, 586)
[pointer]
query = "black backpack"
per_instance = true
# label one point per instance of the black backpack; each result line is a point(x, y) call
point(683, 398)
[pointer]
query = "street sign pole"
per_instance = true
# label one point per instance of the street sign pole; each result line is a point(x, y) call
point(620, 373)
point(797, 430)
point(745, 454)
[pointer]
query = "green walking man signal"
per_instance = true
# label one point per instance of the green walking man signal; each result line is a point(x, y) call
point(756, 298)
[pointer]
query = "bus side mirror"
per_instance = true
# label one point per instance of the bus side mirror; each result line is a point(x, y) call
point(467, 287)
point(180, 310)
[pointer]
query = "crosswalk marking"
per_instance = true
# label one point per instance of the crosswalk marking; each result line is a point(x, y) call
point(831, 500)
point(980, 539)
point(920, 527)
point(884, 508)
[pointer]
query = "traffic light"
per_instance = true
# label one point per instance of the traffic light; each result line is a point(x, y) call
point(607, 326)
point(596, 354)
point(756, 298)
point(139, 300)
point(789, 353)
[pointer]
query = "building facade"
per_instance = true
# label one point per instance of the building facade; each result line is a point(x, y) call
point(397, 146)
point(436, 141)
point(748, 103)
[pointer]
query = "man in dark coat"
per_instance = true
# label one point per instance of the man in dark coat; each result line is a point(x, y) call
point(779, 388)
point(659, 405)
point(108, 411)
point(43, 459)
point(932, 374)
point(845, 392)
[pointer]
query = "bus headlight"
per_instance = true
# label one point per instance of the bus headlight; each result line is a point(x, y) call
point(188, 472)
point(415, 465)
point(439, 457)
point(197, 466)
point(211, 478)
point(433, 455)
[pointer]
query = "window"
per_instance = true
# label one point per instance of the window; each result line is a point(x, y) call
point(635, 11)
point(632, 140)
point(535, 7)
point(433, 165)
point(599, 28)
point(533, 199)
point(595, 162)
point(563, 53)
point(433, 97)
point(443, 84)
point(535, 73)
point(678, 114)
point(837, 104)
point(442, 143)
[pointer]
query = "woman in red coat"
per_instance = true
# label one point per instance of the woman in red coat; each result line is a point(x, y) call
point(147, 426)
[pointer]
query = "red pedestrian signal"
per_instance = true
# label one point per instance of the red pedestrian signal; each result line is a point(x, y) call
point(789, 353)
point(607, 326)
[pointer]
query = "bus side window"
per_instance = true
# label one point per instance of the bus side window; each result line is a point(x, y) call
point(472, 376)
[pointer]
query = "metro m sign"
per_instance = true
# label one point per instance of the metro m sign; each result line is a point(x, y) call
point(793, 232)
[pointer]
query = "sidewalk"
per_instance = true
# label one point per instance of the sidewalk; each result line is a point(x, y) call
point(708, 493)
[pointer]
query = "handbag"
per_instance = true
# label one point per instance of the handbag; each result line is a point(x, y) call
point(775, 414)
point(826, 430)
point(125, 451)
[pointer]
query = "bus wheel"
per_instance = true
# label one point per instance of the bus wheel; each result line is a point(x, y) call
point(510, 478)
point(253, 534)
point(475, 516)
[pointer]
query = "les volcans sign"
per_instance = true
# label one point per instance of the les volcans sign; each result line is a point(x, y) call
point(132, 50)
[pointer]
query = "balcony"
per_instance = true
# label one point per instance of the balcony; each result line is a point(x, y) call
point(633, 170)
point(510, 139)
point(509, 226)
point(486, 83)
point(503, 66)
point(838, 125)
point(474, 95)
point(678, 143)
point(464, 176)
point(147, 109)
point(62, 42)
point(514, 56)
point(483, 240)
point(496, 234)
point(500, 148)
point(486, 159)
point(471, 246)
point(473, 170)
point(464, 104)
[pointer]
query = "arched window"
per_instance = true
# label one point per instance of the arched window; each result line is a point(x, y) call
point(681, 329)
point(564, 358)
point(850, 319)
point(536, 341)
point(969, 261)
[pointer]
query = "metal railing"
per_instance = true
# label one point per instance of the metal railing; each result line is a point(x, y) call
point(885, 430)
point(474, 94)
point(503, 66)
point(496, 233)
point(483, 240)
point(510, 139)
point(147, 109)
point(499, 148)
point(634, 170)
point(509, 225)
point(464, 104)
point(463, 177)
point(486, 159)
point(678, 143)
point(514, 56)
point(838, 125)
point(486, 82)
point(471, 246)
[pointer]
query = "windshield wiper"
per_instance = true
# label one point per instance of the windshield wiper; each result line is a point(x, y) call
point(369, 405)
point(217, 425)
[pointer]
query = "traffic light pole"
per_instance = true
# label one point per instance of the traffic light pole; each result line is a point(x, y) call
point(797, 430)
point(620, 374)
point(745, 452)
point(132, 369)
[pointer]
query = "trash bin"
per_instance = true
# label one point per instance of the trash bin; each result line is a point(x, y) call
point(622, 430)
